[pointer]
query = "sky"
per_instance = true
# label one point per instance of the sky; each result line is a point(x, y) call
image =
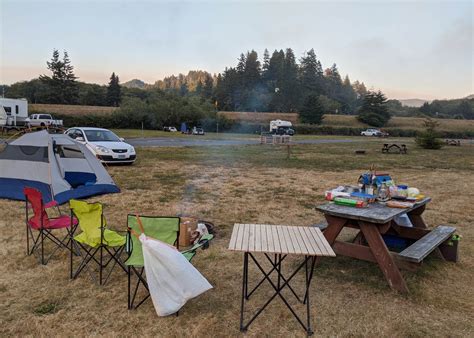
point(407, 49)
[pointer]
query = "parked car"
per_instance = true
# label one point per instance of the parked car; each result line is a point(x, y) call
point(198, 131)
point(44, 120)
point(373, 132)
point(104, 144)
point(171, 129)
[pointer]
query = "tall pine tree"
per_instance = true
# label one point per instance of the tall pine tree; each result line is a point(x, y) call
point(114, 91)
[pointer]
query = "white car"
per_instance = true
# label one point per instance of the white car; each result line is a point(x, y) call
point(104, 144)
point(373, 132)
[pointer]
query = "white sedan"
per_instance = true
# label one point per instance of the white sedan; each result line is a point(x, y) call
point(104, 144)
point(373, 132)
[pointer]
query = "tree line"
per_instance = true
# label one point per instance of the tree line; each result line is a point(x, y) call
point(279, 83)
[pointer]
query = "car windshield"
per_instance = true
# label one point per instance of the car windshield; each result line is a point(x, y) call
point(101, 136)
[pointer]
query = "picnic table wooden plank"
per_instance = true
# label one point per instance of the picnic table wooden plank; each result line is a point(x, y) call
point(270, 243)
point(299, 246)
point(306, 242)
point(233, 237)
point(263, 229)
point(322, 240)
point(428, 243)
point(250, 230)
point(317, 247)
point(276, 239)
point(282, 239)
point(245, 240)
point(258, 238)
point(289, 243)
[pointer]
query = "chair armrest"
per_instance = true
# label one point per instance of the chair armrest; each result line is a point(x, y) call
point(51, 204)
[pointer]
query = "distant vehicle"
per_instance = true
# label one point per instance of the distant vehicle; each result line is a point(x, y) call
point(171, 129)
point(198, 131)
point(281, 127)
point(104, 144)
point(44, 120)
point(373, 132)
point(13, 113)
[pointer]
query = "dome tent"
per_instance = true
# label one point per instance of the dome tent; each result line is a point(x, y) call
point(56, 165)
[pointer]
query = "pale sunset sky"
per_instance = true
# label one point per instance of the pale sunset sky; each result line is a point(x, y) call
point(408, 49)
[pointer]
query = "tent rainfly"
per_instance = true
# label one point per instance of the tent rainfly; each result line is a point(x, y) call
point(56, 165)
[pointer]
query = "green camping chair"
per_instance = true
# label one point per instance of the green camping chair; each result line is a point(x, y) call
point(95, 243)
point(165, 229)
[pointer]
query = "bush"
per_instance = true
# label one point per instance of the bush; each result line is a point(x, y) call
point(429, 138)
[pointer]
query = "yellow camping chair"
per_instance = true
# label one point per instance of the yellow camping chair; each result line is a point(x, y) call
point(95, 243)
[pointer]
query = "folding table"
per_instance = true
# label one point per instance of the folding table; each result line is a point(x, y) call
point(279, 241)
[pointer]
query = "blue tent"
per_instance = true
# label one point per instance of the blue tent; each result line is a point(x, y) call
point(56, 165)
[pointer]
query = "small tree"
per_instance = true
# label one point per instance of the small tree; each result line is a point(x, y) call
point(312, 110)
point(114, 91)
point(429, 138)
point(374, 110)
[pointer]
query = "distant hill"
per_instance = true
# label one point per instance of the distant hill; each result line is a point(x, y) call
point(135, 83)
point(470, 97)
point(413, 102)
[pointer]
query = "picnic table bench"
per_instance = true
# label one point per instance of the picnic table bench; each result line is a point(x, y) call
point(377, 221)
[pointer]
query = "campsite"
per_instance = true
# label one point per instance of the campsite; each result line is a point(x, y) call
point(236, 168)
point(232, 184)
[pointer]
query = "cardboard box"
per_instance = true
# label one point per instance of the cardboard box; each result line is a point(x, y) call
point(187, 226)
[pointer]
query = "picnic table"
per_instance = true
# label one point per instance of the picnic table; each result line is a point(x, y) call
point(279, 241)
point(377, 220)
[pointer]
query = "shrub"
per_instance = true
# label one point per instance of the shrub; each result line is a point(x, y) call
point(429, 138)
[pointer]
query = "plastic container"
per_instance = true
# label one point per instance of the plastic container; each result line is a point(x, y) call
point(402, 190)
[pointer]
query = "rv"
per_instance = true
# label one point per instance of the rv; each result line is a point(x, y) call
point(281, 127)
point(13, 113)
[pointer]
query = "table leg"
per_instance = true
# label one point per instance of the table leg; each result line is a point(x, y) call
point(335, 225)
point(416, 219)
point(244, 290)
point(383, 257)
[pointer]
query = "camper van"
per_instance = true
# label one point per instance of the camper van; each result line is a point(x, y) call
point(13, 112)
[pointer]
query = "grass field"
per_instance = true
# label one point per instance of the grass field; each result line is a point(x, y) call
point(65, 109)
point(254, 184)
point(414, 123)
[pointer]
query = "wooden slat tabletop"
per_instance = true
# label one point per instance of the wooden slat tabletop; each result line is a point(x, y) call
point(279, 239)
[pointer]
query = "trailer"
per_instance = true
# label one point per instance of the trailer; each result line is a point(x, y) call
point(13, 113)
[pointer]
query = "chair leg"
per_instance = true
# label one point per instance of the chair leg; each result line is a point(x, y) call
point(42, 247)
point(27, 240)
point(128, 273)
point(100, 265)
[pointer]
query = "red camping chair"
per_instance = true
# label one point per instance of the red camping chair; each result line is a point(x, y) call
point(44, 224)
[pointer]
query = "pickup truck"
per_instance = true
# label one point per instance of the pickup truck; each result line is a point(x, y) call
point(44, 120)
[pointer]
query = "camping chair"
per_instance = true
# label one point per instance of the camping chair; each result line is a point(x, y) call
point(44, 224)
point(95, 243)
point(165, 229)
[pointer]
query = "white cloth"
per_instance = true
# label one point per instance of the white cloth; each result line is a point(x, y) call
point(171, 279)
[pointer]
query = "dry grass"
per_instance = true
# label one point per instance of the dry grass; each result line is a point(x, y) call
point(259, 117)
point(351, 121)
point(253, 184)
point(65, 109)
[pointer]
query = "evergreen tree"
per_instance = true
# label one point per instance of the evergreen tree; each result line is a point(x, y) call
point(62, 85)
point(374, 110)
point(70, 90)
point(312, 110)
point(114, 91)
point(464, 109)
point(207, 88)
point(429, 138)
point(311, 74)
